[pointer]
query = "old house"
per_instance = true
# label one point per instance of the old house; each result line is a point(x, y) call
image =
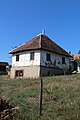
point(38, 57)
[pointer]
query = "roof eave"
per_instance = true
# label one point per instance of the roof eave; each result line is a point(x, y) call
point(13, 52)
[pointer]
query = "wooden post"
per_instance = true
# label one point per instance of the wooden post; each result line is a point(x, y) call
point(0, 91)
point(41, 93)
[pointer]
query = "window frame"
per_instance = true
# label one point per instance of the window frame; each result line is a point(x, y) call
point(17, 58)
point(48, 57)
point(32, 55)
point(63, 60)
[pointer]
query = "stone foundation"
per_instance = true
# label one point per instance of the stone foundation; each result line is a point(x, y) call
point(49, 71)
point(28, 72)
point(34, 72)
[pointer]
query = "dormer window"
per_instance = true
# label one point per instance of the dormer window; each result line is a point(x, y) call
point(17, 58)
point(31, 55)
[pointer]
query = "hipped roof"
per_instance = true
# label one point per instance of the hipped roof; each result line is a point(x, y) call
point(40, 42)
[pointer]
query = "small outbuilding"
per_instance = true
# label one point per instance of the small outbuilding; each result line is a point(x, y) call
point(3, 66)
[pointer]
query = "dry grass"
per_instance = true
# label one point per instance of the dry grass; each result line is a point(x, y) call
point(61, 97)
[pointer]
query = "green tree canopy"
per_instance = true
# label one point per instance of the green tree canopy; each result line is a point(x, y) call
point(79, 52)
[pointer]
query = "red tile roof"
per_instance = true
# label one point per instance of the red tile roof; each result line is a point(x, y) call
point(40, 42)
point(77, 56)
point(3, 63)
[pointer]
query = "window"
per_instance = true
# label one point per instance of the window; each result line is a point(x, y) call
point(17, 57)
point(18, 73)
point(63, 60)
point(48, 57)
point(31, 55)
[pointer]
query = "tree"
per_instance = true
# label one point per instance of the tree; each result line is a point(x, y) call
point(79, 52)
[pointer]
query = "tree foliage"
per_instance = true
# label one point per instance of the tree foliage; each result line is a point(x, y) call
point(79, 52)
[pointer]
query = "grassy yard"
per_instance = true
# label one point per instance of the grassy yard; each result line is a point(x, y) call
point(61, 97)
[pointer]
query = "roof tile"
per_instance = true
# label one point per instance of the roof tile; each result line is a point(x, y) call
point(40, 42)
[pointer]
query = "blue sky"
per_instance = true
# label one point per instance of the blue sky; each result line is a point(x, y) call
point(21, 20)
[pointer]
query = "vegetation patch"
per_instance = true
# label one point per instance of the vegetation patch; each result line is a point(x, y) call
point(61, 97)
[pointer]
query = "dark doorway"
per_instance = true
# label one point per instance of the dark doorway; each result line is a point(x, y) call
point(19, 73)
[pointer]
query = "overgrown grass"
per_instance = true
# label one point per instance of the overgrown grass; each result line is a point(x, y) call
point(61, 97)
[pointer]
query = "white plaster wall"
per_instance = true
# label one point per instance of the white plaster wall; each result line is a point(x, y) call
point(54, 57)
point(39, 59)
point(78, 69)
point(24, 59)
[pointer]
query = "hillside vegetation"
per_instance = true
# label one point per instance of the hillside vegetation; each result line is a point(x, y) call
point(61, 97)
